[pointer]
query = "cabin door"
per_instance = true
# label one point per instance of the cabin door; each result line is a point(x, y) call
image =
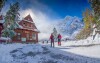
point(23, 39)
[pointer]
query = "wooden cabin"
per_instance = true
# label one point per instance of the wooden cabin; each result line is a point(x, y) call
point(27, 31)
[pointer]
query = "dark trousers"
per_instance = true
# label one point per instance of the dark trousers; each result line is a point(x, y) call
point(52, 44)
point(94, 36)
point(59, 42)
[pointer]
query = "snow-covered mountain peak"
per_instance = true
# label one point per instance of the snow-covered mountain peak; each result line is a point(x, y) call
point(69, 25)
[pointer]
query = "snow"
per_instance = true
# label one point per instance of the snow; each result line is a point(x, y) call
point(5, 56)
point(87, 47)
point(83, 51)
point(69, 25)
point(36, 30)
point(28, 21)
point(4, 38)
point(36, 48)
point(92, 51)
point(19, 25)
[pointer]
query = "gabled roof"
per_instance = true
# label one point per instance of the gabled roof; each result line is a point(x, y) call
point(27, 20)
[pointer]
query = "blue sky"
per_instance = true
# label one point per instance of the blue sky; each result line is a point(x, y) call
point(55, 8)
point(67, 7)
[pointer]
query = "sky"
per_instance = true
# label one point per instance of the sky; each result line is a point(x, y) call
point(67, 7)
point(55, 8)
point(46, 12)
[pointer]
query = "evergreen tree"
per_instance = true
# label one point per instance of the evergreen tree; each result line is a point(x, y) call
point(11, 19)
point(55, 33)
point(95, 4)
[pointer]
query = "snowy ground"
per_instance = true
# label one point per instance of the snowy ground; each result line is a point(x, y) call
point(91, 50)
point(83, 51)
point(35, 53)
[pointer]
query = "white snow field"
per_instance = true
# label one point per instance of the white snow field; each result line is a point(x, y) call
point(37, 53)
point(83, 51)
point(87, 47)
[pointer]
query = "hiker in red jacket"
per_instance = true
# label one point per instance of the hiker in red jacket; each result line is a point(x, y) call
point(52, 40)
point(59, 39)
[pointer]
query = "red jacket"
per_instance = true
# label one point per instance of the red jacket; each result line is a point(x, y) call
point(52, 38)
point(59, 36)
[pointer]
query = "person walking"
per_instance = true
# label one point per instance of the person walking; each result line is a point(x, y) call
point(52, 40)
point(47, 41)
point(59, 39)
point(94, 31)
point(43, 42)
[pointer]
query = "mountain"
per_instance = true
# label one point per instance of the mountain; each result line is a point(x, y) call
point(70, 25)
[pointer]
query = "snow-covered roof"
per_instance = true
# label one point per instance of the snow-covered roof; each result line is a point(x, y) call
point(28, 21)
point(19, 25)
point(36, 30)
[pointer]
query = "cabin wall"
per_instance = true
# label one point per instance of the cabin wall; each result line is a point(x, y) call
point(25, 36)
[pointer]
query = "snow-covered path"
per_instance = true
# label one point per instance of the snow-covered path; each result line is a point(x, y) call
point(89, 51)
point(37, 53)
point(86, 48)
point(82, 51)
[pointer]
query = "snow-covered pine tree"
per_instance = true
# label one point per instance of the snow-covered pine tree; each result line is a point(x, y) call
point(55, 33)
point(11, 19)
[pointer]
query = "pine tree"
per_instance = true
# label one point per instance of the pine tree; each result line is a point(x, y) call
point(55, 33)
point(95, 4)
point(11, 19)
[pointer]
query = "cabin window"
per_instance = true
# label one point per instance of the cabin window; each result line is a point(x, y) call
point(19, 36)
point(25, 24)
point(27, 36)
point(28, 25)
point(34, 36)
